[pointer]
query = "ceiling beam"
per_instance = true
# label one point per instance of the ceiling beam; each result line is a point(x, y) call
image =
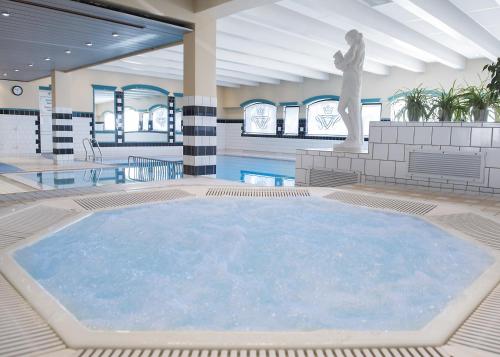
point(242, 45)
point(175, 54)
point(451, 20)
point(263, 62)
point(168, 72)
point(164, 64)
point(377, 27)
point(306, 30)
point(222, 8)
point(239, 26)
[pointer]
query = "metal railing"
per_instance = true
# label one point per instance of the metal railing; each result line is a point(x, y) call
point(144, 169)
point(91, 154)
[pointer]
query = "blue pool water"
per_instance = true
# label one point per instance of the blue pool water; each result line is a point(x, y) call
point(258, 171)
point(245, 265)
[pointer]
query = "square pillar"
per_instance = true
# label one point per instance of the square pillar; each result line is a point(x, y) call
point(200, 101)
point(119, 117)
point(62, 118)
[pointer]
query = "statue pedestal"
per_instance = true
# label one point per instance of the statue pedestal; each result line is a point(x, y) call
point(348, 147)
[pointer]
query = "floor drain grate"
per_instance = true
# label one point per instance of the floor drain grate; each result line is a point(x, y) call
point(23, 332)
point(482, 229)
point(480, 330)
point(260, 352)
point(403, 206)
point(20, 225)
point(256, 192)
point(129, 199)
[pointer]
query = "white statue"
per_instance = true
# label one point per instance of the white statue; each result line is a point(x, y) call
point(351, 64)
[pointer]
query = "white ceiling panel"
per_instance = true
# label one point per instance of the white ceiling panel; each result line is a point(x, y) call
point(296, 39)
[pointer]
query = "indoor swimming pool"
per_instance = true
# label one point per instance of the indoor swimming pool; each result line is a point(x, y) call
point(253, 265)
point(251, 170)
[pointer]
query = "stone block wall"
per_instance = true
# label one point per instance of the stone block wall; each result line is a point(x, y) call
point(387, 158)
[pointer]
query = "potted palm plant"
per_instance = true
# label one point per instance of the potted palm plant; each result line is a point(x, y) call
point(448, 105)
point(416, 104)
point(494, 85)
point(478, 100)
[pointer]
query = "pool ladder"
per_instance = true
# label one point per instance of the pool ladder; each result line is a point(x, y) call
point(91, 154)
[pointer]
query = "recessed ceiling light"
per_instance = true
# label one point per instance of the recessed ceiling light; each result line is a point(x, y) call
point(115, 34)
point(5, 74)
point(68, 52)
point(30, 65)
point(16, 70)
point(47, 58)
point(89, 44)
point(5, 13)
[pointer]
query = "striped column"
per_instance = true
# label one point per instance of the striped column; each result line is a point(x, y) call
point(200, 135)
point(119, 112)
point(62, 135)
point(171, 119)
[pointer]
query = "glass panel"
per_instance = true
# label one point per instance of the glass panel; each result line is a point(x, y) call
point(291, 117)
point(109, 121)
point(131, 119)
point(160, 119)
point(260, 118)
point(491, 115)
point(178, 126)
point(370, 112)
point(146, 105)
point(104, 115)
point(323, 119)
point(395, 109)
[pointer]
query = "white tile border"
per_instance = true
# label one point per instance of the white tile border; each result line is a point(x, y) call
point(435, 333)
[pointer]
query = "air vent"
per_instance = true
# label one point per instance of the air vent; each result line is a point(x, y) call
point(256, 192)
point(129, 199)
point(403, 206)
point(462, 166)
point(324, 178)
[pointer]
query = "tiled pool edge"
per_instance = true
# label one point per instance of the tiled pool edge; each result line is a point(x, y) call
point(77, 336)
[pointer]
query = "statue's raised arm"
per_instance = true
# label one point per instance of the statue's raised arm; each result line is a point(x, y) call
point(351, 64)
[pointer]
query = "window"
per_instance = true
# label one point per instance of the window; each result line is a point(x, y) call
point(491, 115)
point(370, 112)
point(260, 118)
point(160, 119)
point(395, 109)
point(291, 120)
point(131, 119)
point(323, 119)
point(109, 121)
point(178, 126)
point(145, 121)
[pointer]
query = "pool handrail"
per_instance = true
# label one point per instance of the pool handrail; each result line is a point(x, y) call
point(151, 169)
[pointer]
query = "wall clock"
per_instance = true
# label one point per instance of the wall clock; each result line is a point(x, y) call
point(17, 90)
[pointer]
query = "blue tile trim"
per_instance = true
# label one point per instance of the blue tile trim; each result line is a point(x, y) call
point(101, 87)
point(319, 98)
point(254, 101)
point(145, 86)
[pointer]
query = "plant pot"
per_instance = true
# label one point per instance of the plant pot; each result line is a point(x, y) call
point(413, 115)
point(480, 115)
point(444, 115)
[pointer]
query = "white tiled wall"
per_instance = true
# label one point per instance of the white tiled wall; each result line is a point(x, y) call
point(387, 158)
point(148, 151)
point(229, 138)
point(81, 130)
point(18, 135)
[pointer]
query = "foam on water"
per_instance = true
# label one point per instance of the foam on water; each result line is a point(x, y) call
point(290, 264)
